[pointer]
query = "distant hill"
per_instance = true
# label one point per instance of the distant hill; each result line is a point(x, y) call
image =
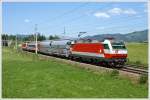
point(137, 36)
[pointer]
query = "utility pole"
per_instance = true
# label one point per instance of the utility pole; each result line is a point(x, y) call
point(16, 41)
point(64, 31)
point(35, 38)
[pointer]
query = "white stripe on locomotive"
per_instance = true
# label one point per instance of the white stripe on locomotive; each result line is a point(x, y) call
point(88, 54)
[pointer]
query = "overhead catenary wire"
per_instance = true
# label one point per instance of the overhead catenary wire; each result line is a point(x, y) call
point(109, 23)
point(109, 29)
point(118, 21)
point(65, 13)
point(61, 15)
point(91, 31)
point(73, 19)
point(115, 26)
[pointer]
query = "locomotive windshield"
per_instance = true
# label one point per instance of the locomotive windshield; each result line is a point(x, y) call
point(106, 46)
point(118, 45)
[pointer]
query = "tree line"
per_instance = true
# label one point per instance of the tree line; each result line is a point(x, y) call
point(40, 37)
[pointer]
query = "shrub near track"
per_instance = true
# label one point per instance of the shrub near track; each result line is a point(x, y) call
point(27, 77)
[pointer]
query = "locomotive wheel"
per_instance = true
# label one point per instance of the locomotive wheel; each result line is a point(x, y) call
point(80, 59)
point(71, 57)
point(103, 63)
point(91, 61)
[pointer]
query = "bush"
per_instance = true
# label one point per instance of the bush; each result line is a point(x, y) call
point(114, 73)
point(138, 62)
point(143, 79)
point(128, 60)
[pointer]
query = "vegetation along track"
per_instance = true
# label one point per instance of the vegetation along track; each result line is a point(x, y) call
point(127, 68)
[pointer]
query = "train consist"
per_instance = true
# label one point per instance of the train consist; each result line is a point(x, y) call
point(108, 52)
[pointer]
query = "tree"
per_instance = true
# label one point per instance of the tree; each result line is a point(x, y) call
point(24, 38)
point(40, 37)
point(5, 37)
point(29, 38)
point(8, 37)
point(51, 37)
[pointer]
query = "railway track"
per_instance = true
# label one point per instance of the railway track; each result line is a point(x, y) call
point(136, 66)
point(126, 68)
point(134, 70)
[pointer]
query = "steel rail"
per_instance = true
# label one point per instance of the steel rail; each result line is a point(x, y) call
point(134, 70)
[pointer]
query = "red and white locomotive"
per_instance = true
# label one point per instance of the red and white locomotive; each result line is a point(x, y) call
point(109, 52)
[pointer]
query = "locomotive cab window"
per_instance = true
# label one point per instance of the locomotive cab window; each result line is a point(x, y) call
point(106, 46)
point(120, 45)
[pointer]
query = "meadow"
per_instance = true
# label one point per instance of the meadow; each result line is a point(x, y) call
point(27, 76)
point(138, 53)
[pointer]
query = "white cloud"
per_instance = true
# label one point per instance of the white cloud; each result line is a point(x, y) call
point(130, 12)
point(115, 11)
point(101, 15)
point(119, 11)
point(27, 20)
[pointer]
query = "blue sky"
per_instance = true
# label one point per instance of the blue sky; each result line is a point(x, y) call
point(93, 18)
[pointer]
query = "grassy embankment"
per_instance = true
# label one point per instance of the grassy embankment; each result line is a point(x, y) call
point(138, 53)
point(27, 76)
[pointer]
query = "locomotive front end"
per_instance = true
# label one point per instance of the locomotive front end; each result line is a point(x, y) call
point(115, 52)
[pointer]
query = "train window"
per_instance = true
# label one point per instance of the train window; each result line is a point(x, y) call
point(117, 43)
point(31, 46)
point(118, 47)
point(68, 43)
point(106, 46)
point(50, 44)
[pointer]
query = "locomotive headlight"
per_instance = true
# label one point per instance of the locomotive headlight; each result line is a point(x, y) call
point(125, 52)
point(122, 52)
point(113, 51)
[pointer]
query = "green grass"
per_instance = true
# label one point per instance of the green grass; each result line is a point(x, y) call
point(138, 52)
point(26, 76)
